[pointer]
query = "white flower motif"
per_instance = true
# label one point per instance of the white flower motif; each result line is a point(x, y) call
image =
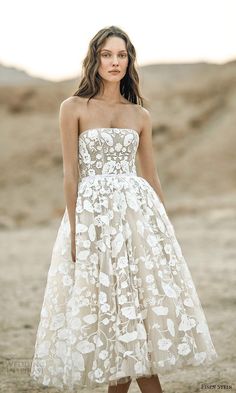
point(105, 307)
point(129, 312)
point(102, 297)
point(164, 344)
point(163, 261)
point(122, 299)
point(188, 302)
point(67, 281)
point(118, 147)
point(98, 373)
point(185, 324)
point(63, 268)
point(85, 346)
point(160, 310)
point(171, 327)
point(109, 167)
point(172, 360)
point(149, 278)
point(184, 349)
point(103, 354)
point(169, 290)
point(200, 357)
point(125, 166)
point(156, 251)
point(87, 193)
point(149, 264)
point(128, 337)
point(122, 262)
point(117, 244)
point(63, 334)
point(104, 279)
point(86, 243)
point(192, 322)
point(107, 138)
point(132, 201)
point(90, 319)
point(152, 240)
point(57, 321)
point(105, 321)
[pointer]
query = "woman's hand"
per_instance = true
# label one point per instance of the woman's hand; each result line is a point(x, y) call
point(73, 248)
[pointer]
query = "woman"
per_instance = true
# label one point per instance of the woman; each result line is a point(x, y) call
point(120, 303)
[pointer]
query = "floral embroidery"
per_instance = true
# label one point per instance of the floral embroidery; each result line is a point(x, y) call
point(128, 306)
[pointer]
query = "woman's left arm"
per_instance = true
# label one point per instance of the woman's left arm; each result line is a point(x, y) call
point(146, 155)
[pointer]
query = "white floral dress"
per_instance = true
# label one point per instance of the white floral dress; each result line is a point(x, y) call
point(128, 306)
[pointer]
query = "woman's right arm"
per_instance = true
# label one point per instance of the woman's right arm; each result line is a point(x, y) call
point(68, 120)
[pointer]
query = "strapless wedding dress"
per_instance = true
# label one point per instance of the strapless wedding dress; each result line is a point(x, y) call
point(128, 306)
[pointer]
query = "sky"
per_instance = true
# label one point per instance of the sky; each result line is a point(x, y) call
point(49, 38)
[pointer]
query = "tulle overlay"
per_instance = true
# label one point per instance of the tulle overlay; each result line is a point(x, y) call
point(128, 306)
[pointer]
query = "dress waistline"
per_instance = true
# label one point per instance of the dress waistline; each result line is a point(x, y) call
point(104, 175)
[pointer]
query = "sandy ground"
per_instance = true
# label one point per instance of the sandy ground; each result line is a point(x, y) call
point(207, 239)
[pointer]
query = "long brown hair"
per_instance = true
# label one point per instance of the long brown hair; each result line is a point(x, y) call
point(91, 81)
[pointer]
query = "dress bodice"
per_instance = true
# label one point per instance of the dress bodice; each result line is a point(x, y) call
point(107, 151)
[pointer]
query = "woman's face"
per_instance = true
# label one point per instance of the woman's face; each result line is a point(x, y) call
point(113, 56)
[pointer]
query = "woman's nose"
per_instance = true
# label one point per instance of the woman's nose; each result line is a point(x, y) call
point(115, 60)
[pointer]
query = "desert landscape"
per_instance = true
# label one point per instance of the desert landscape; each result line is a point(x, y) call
point(193, 109)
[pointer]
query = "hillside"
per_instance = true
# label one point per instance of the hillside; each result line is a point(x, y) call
point(193, 110)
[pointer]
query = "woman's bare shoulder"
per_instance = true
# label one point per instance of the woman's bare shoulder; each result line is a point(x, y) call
point(73, 101)
point(73, 105)
point(142, 113)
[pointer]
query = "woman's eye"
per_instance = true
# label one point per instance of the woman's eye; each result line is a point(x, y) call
point(107, 54)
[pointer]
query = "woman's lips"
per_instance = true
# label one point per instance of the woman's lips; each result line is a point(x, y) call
point(114, 72)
